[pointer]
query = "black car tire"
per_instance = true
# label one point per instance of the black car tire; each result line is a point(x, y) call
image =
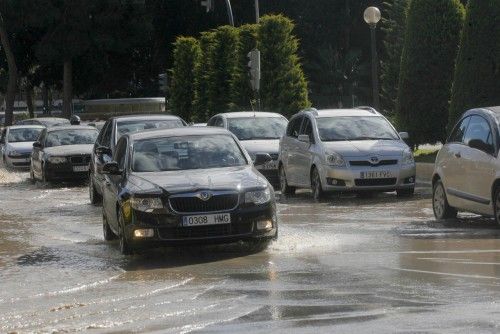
point(496, 205)
point(316, 187)
point(284, 187)
point(440, 206)
point(125, 247)
point(106, 230)
point(95, 197)
point(408, 192)
point(45, 177)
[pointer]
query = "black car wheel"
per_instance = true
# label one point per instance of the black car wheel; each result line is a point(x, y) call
point(284, 187)
point(125, 247)
point(45, 177)
point(408, 192)
point(106, 230)
point(95, 197)
point(440, 206)
point(496, 205)
point(316, 187)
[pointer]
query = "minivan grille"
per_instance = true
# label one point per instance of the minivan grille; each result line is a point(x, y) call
point(80, 159)
point(218, 202)
point(369, 164)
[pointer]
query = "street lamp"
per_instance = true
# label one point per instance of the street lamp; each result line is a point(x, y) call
point(372, 16)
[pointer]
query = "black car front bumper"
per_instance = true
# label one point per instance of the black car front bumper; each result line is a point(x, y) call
point(65, 171)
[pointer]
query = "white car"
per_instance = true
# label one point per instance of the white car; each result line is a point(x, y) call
point(356, 150)
point(467, 169)
point(17, 143)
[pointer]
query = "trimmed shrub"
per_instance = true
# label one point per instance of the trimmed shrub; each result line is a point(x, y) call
point(477, 74)
point(201, 76)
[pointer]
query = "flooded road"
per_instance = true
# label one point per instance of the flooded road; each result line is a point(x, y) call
point(346, 264)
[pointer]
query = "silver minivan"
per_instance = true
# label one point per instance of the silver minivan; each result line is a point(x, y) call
point(341, 150)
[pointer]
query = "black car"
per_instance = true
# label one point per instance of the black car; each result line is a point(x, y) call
point(62, 153)
point(184, 186)
point(108, 137)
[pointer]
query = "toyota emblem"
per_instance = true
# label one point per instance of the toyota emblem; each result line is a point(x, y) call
point(374, 160)
point(204, 196)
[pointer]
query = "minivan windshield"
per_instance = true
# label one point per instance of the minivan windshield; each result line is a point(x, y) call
point(248, 128)
point(23, 135)
point(355, 128)
point(71, 137)
point(187, 152)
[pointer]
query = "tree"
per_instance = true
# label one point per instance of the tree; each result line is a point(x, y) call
point(223, 59)
point(242, 92)
point(11, 61)
point(283, 84)
point(393, 27)
point(428, 59)
point(477, 74)
point(201, 76)
point(186, 56)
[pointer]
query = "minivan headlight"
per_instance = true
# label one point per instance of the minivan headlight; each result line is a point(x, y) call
point(57, 160)
point(146, 204)
point(14, 154)
point(335, 159)
point(258, 197)
point(408, 158)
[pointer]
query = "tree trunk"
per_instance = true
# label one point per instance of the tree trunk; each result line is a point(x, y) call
point(29, 101)
point(68, 88)
point(12, 83)
point(45, 97)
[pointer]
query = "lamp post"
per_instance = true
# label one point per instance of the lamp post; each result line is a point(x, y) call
point(372, 16)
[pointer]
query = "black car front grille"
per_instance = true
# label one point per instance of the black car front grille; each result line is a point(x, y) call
point(80, 159)
point(369, 164)
point(205, 231)
point(375, 182)
point(218, 202)
point(274, 156)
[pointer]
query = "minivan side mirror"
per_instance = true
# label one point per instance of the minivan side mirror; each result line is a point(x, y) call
point(111, 168)
point(262, 158)
point(404, 135)
point(102, 150)
point(37, 144)
point(303, 138)
point(481, 145)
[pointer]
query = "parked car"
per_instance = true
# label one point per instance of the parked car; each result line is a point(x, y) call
point(62, 153)
point(258, 132)
point(44, 121)
point(17, 143)
point(185, 185)
point(105, 144)
point(467, 169)
point(356, 150)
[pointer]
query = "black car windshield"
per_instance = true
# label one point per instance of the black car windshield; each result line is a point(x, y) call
point(71, 137)
point(23, 135)
point(249, 128)
point(183, 153)
point(355, 128)
point(124, 127)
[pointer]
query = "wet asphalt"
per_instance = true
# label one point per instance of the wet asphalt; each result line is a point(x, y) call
point(344, 265)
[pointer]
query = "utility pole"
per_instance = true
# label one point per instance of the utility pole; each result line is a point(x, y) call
point(257, 12)
point(254, 65)
point(209, 4)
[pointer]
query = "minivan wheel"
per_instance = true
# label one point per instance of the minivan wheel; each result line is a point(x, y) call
point(496, 206)
point(95, 197)
point(125, 247)
point(106, 230)
point(316, 187)
point(284, 187)
point(440, 206)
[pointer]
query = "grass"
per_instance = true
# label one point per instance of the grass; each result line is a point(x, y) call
point(425, 155)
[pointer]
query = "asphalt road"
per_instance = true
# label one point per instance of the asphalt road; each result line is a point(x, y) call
point(346, 265)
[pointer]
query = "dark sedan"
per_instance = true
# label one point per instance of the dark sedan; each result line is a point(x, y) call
point(183, 186)
point(108, 137)
point(63, 153)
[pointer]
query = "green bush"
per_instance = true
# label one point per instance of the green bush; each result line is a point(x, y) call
point(186, 55)
point(427, 63)
point(283, 84)
point(477, 74)
point(201, 76)
point(242, 93)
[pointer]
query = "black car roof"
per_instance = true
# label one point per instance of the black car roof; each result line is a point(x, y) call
point(71, 127)
point(176, 132)
point(145, 117)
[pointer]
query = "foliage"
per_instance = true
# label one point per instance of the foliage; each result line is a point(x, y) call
point(477, 74)
point(186, 55)
point(283, 84)
point(430, 49)
point(393, 28)
point(200, 103)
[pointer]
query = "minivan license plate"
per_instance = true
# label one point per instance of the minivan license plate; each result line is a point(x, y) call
point(383, 174)
point(217, 219)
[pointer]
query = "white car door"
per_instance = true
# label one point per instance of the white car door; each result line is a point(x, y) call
point(290, 151)
point(304, 154)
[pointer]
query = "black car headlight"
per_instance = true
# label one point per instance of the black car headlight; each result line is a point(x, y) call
point(146, 204)
point(258, 197)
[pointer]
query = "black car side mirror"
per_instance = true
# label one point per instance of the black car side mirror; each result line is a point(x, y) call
point(481, 145)
point(102, 150)
point(262, 158)
point(37, 144)
point(111, 168)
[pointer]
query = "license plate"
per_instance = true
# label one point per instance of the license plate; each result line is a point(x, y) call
point(383, 174)
point(269, 165)
point(80, 168)
point(217, 219)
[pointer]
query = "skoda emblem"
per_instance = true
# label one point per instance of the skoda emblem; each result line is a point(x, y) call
point(374, 160)
point(204, 196)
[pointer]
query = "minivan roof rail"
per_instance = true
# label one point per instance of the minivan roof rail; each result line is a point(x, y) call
point(368, 108)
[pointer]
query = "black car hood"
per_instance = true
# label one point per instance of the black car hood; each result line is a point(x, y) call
point(69, 149)
point(230, 178)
